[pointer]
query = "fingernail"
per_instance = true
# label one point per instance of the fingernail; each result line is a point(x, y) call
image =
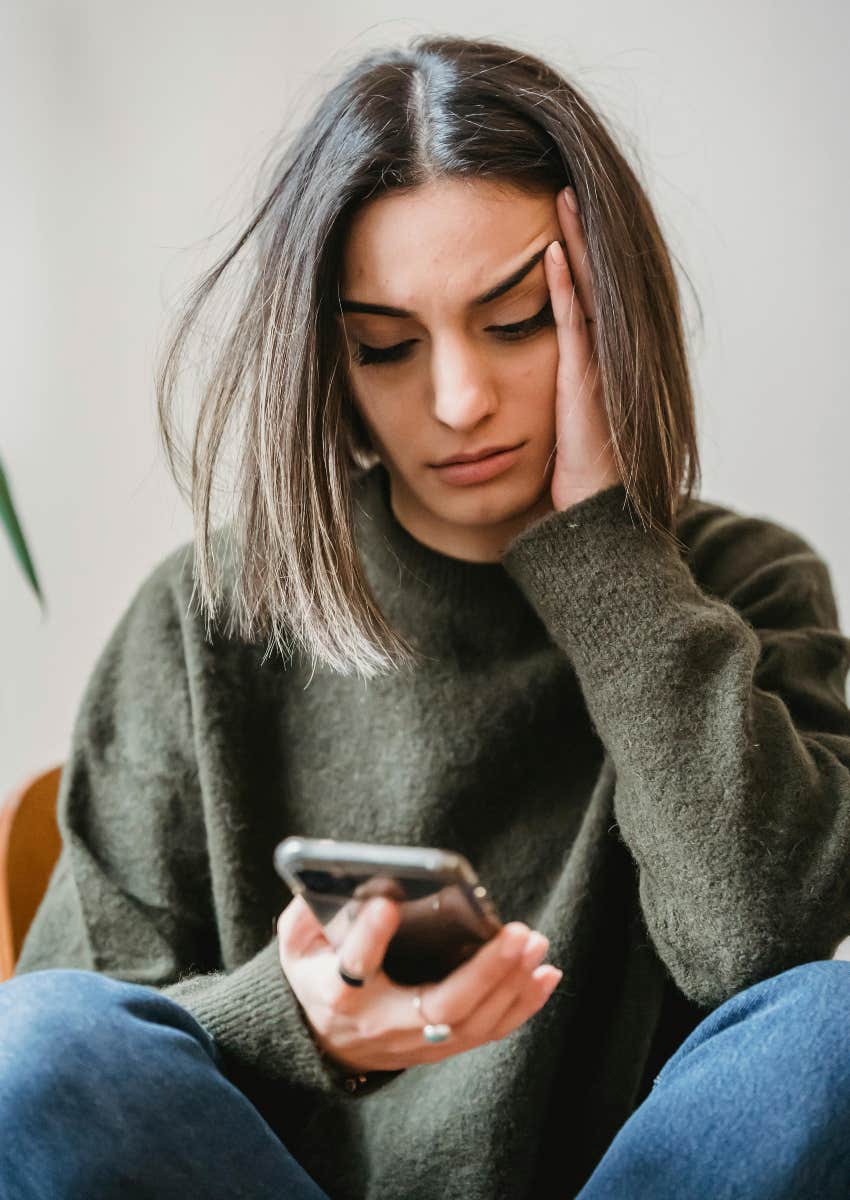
point(512, 941)
point(570, 197)
point(556, 253)
point(556, 979)
point(536, 944)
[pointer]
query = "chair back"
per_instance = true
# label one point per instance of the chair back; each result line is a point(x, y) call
point(29, 847)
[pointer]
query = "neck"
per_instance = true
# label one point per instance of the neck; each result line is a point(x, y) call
point(481, 544)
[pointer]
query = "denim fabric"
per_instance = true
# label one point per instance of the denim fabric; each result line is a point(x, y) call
point(110, 1089)
point(753, 1105)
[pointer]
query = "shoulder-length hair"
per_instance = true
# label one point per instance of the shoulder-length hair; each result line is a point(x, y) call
point(438, 107)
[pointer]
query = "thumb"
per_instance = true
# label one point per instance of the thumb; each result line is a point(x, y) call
point(365, 945)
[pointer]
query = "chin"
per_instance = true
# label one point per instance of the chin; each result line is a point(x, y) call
point(501, 499)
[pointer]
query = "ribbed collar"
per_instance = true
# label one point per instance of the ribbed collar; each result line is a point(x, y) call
point(399, 562)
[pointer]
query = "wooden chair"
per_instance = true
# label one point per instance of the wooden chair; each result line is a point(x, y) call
point(29, 847)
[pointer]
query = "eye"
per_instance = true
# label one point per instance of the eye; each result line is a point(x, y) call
point(522, 329)
point(366, 356)
point(373, 355)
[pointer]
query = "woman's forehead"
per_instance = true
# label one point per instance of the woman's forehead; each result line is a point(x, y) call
point(459, 239)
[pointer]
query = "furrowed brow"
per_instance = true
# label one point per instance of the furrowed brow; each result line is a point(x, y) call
point(493, 293)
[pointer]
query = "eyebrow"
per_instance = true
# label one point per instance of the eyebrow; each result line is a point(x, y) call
point(493, 293)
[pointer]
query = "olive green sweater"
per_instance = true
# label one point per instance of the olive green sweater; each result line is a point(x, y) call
point(644, 752)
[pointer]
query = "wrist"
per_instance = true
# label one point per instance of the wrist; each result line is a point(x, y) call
point(352, 1079)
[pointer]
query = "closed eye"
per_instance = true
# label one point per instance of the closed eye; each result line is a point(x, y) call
point(374, 356)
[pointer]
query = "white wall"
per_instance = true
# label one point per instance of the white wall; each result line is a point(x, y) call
point(131, 133)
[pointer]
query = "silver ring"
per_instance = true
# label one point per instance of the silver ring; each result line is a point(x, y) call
point(431, 1033)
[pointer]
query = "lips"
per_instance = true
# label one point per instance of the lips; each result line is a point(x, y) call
point(474, 456)
point(479, 470)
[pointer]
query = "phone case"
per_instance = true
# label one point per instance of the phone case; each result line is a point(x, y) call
point(446, 912)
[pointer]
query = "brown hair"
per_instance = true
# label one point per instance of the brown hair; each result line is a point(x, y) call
point(438, 107)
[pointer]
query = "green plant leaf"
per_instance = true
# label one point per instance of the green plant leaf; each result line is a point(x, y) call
point(10, 519)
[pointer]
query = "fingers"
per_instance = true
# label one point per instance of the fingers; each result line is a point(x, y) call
point(540, 986)
point(362, 950)
point(570, 325)
point(577, 253)
point(377, 1027)
point(577, 374)
point(516, 988)
point(456, 997)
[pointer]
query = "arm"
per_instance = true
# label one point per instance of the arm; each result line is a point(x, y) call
point(130, 895)
point(726, 724)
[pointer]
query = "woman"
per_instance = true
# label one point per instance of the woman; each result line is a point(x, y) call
point(624, 704)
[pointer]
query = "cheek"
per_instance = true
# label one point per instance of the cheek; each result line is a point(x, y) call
point(536, 365)
point(389, 421)
point(367, 400)
point(534, 381)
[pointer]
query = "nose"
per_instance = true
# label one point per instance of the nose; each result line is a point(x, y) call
point(464, 389)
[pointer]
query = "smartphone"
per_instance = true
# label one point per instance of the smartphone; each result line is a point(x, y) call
point(446, 913)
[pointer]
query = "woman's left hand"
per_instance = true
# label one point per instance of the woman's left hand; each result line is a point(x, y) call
point(584, 462)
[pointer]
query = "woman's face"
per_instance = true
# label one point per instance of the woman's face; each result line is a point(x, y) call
point(454, 382)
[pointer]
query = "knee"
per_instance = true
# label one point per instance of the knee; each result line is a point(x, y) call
point(60, 1024)
point(72, 1003)
point(810, 1006)
point(798, 1018)
point(813, 997)
point(818, 998)
point(43, 1005)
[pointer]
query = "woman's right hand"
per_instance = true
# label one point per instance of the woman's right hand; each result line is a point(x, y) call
point(376, 1027)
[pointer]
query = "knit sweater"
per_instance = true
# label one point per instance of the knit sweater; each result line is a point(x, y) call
point(644, 751)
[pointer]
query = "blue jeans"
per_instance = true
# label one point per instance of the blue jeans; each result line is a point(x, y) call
point(754, 1104)
point(111, 1091)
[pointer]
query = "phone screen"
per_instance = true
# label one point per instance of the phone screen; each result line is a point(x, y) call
point(441, 924)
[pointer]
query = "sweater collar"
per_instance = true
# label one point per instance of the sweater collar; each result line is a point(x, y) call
point(388, 546)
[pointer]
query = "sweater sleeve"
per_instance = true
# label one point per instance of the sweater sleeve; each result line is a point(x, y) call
point(130, 894)
point(722, 711)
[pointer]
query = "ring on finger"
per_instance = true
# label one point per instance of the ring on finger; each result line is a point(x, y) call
point(431, 1033)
